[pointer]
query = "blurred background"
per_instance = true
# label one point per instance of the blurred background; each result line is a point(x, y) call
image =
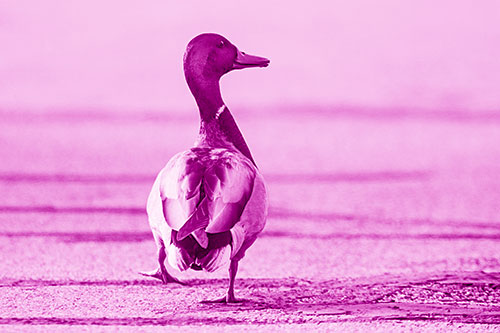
point(376, 127)
point(126, 56)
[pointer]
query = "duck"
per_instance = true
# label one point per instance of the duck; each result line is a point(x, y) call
point(209, 203)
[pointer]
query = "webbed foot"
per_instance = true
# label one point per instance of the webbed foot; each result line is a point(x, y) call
point(163, 276)
point(224, 300)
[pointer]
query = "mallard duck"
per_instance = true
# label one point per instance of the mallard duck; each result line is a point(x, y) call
point(209, 203)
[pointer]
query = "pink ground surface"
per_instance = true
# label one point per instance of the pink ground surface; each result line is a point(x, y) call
point(380, 223)
point(376, 127)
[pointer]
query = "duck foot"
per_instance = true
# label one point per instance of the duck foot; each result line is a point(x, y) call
point(163, 276)
point(229, 298)
point(224, 300)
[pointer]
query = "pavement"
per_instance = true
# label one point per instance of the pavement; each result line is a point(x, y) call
point(376, 224)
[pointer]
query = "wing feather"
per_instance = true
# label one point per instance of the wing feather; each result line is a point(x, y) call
point(205, 189)
point(252, 220)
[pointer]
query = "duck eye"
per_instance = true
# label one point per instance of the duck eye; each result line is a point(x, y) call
point(221, 44)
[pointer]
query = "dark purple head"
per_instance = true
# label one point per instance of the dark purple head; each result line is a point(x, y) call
point(209, 56)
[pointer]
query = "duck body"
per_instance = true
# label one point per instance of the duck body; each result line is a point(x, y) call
point(209, 203)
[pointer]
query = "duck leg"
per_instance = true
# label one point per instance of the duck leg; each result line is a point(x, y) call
point(161, 272)
point(233, 269)
point(229, 298)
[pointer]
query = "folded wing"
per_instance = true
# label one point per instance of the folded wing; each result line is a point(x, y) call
point(205, 189)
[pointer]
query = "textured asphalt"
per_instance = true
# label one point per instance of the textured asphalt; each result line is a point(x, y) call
point(376, 224)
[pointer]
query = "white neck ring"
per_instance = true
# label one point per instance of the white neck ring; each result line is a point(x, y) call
point(219, 112)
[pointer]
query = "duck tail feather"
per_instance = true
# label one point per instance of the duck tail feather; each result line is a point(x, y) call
point(201, 237)
point(198, 220)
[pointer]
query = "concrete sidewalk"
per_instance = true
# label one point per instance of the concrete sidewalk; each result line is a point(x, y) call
point(375, 224)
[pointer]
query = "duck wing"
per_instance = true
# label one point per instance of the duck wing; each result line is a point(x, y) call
point(205, 190)
point(252, 220)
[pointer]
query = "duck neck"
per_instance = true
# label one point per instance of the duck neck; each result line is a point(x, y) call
point(207, 96)
point(217, 126)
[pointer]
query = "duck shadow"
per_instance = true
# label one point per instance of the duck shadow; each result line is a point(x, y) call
point(456, 296)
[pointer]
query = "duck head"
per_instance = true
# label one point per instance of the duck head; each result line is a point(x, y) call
point(207, 58)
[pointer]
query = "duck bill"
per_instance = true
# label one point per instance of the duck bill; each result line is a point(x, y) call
point(244, 60)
